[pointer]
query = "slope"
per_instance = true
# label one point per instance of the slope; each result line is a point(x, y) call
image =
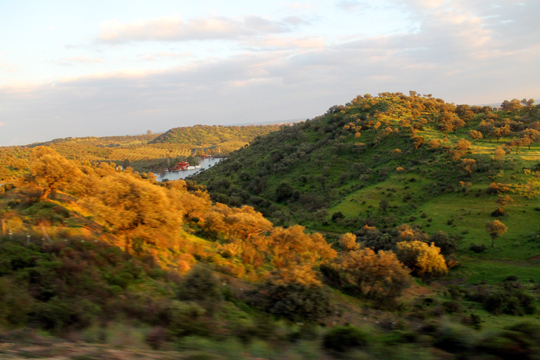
point(394, 159)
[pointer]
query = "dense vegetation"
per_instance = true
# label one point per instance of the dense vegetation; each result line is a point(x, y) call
point(381, 265)
point(144, 153)
point(207, 136)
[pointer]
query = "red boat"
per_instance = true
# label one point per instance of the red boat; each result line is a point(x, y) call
point(182, 165)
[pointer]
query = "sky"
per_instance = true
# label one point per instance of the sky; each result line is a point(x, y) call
point(119, 67)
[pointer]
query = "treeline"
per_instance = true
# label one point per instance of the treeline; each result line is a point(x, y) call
point(145, 153)
point(206, 135)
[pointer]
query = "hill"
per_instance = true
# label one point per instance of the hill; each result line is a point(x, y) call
point(395, 159)
point(144, 153)
point(93, 252)
point(216, 138)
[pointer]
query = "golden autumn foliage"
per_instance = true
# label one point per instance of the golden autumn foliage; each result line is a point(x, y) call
point(290, 247)
point(138, 211)
point(380, 276)
point(424, 260)
point(235, 223)
point(348, 242)
point(495, 229)
point(51, 171)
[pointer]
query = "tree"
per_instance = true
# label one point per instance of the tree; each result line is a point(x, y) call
point(284, 191)
point(379, 276)
point(149, 132)
point(348, 242)
point(294, 301)
point(469, 165)
point(502, 201)
point(424, 260)
point(400, 171)
point(475, 135)
point(510, 106)
point(499, 153)
point(532, 135)
point(519, 142)
point(501, 131)
point(52, 171)
point(140, 212)
point(291, 247)
point(235, 223)
point(495, 229)
point(383, 204)
point(200, 285)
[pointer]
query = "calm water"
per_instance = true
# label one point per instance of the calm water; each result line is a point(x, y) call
point(175, 175)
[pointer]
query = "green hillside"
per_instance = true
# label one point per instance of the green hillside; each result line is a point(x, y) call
point(214, 136)
point(396, 159)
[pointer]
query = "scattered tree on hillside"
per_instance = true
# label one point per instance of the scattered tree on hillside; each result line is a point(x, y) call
point(51, 171)
point(469, 165)
point(379, 276)
point(348, 242)
point(502, 201)
point(499, 153)
point(140, 212)
point(424, 260)
point(501, 131)
point(532, 135)
point(495, 229)
point(475, 135)
point(383, 204)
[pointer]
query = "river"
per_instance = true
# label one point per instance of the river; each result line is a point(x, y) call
point(176, 175)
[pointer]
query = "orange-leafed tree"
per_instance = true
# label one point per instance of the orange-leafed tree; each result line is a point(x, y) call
point(495, 229)
point(379, 276)
point(424, 260)
point(51, 171)
point(138, 211)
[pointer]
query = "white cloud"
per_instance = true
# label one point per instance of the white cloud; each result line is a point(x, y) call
point(280, 42)
point(173, 28)
point(77, 60)
point(301, 6)
point(163, 55)
point(461, 51)
point(351, 5)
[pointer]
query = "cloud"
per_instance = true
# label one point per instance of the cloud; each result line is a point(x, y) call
point(350, 5)
point(301, 6)
point(165, 55)
point(461, 51)
point(280, 42)
point(2, 124)
point(173, 28)
point(77, 60)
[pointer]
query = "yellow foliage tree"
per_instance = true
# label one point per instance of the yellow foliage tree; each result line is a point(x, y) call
point(378, 276)
point(51, 171)
point(348, 242)
point(138, 211)
point(424, 260)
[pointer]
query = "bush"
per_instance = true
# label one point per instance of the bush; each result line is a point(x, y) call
point(344, 338)
point(477, 248)
point(453, 338)
point(201, 286)
point(294, 302)
point(447, 244)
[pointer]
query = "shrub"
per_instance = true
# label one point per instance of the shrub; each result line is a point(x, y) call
point(477, 248)
point(294, 301)
point(447, 244)
point(201, 286)
point(344, 338)
point(426, 260)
